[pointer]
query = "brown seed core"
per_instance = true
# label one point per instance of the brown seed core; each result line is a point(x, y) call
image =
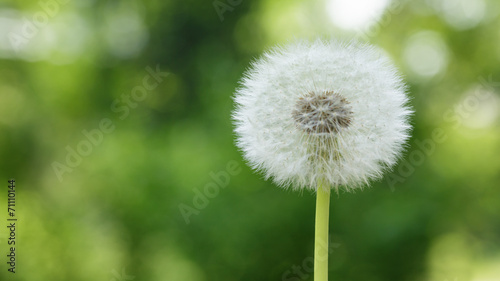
point(323, 113)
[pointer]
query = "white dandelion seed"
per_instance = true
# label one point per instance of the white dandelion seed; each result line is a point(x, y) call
point(323, 112)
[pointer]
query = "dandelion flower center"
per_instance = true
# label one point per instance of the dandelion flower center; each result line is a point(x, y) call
point(324, 113)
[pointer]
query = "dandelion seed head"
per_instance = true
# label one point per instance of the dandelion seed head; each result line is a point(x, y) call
point(326, 112)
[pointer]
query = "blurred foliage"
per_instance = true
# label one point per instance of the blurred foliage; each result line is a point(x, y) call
point(116, 215)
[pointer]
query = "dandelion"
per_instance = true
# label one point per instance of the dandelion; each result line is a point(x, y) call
point(320, 116)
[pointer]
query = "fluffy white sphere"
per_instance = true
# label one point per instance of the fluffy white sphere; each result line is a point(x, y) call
point(323, 112)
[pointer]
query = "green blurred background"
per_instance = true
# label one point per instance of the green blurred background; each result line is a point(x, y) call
point(125, 210)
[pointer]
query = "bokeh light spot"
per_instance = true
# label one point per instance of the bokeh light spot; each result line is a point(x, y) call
point(355, 14)
point(483, 106)
point(125, 33)
point(426, 54)
point(461, 14)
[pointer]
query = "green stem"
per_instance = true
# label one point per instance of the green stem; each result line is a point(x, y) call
point(321, 238)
